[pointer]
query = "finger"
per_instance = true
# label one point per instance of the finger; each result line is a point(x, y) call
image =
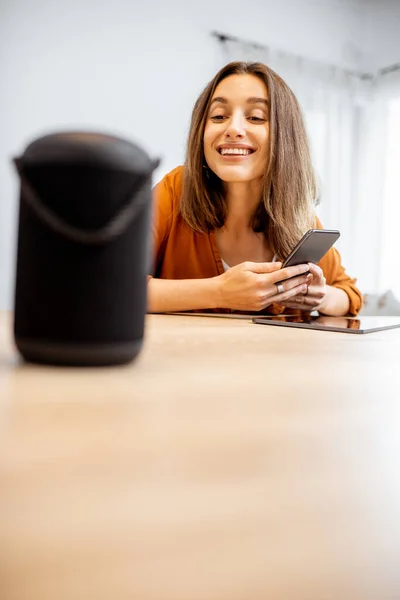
point(289, 272)
point(310, 298)
point(301, 303)
point(316, 292)
point(310, 302)
point(289, 284)
point(287, 294)
point(265, 267)
point(316, 271)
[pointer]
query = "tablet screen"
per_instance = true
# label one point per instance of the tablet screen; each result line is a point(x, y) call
point(324, 323)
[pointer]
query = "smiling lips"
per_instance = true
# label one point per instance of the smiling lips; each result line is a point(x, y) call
point(235, 150)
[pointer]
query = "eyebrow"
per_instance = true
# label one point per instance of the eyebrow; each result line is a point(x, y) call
point(251, 100)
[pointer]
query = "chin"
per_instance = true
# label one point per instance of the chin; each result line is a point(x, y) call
point(233, 175)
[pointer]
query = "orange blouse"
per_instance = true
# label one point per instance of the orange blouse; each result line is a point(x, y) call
point(182, 253)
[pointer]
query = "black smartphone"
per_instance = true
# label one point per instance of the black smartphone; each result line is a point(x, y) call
point(314, 244)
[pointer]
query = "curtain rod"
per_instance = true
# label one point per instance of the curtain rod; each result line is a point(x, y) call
point(224, 37)
point(389, 69)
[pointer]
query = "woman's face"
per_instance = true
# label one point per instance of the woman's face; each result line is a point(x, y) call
point(237, 129)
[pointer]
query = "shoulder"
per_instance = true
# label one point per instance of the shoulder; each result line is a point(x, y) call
point(169, 189)
point(166, 201)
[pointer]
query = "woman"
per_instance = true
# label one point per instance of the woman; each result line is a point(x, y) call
point(243, 199)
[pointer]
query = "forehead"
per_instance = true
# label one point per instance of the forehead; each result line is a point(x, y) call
point(241, 87)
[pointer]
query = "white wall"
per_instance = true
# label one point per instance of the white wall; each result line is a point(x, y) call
point(380, 40)
point(135, 69)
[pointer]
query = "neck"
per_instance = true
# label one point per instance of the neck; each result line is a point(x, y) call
point(242, 200)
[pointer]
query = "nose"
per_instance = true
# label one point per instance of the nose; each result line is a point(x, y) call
point(235, 127)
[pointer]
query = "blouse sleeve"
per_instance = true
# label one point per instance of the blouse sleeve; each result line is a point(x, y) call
point(161, 221)
point(336, 276)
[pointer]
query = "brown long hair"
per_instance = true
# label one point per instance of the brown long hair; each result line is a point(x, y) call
point(289, 191)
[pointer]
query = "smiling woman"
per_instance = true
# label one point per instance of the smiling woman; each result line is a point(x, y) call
point(243, 199)
point(230, 114)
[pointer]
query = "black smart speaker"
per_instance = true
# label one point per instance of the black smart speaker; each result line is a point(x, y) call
point(83, 249)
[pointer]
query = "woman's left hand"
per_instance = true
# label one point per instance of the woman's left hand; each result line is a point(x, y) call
point(316, 292)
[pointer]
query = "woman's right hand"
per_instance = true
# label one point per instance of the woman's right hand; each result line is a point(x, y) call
point(251, 286)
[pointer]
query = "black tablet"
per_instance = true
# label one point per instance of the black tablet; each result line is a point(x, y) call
point(323, 323)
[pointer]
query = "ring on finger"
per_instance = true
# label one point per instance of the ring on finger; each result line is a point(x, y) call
point(279, 287)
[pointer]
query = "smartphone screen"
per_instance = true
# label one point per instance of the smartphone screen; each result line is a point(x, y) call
point(312, 247)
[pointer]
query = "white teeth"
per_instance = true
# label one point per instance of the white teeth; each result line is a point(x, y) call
point(243, 151)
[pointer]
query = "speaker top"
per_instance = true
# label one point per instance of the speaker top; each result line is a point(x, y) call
point(87, 149)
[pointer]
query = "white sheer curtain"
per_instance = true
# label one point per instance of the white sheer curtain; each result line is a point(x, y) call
point(346, 122)
point(389, 92)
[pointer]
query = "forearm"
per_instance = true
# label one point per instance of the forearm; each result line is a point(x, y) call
point(166, 295)
point(336, 302)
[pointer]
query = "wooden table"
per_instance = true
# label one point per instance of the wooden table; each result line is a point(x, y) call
point(231, 461)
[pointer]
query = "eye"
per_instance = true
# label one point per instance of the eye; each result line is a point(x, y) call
point(218, 118)
point(257, 119)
